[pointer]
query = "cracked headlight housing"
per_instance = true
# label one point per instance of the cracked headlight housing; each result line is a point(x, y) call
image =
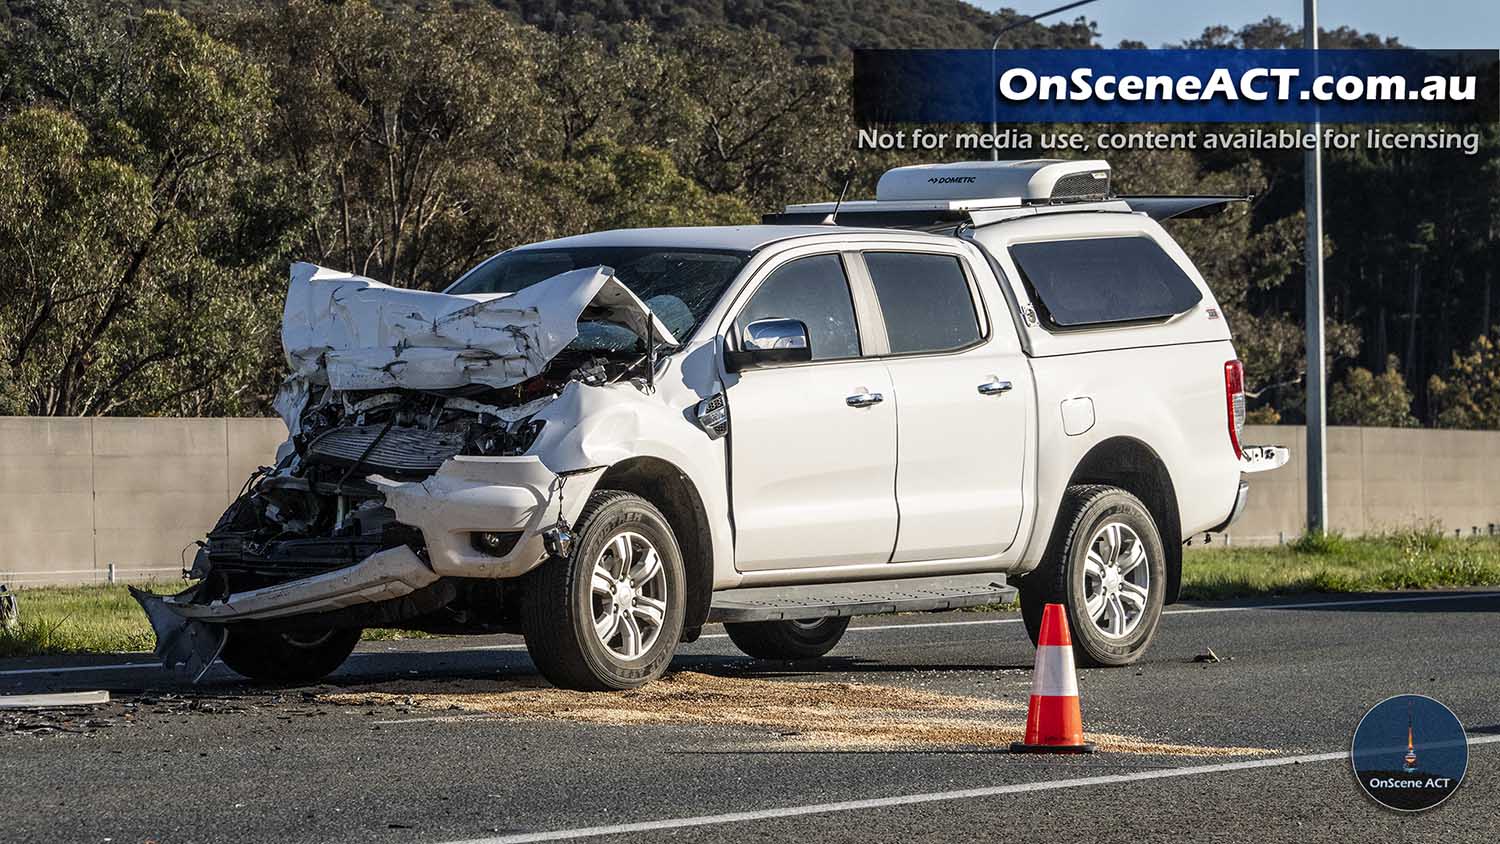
point(506, 440)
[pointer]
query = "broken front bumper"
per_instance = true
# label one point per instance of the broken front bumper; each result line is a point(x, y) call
point(467, 496)
point(516, 497)
point(191, 633)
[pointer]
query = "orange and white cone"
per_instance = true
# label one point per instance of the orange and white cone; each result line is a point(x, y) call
point(1054, 723)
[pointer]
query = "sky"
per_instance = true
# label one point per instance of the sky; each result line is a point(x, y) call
point(1436, 24)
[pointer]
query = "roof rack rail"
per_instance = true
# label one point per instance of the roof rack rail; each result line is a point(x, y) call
point(936, 197)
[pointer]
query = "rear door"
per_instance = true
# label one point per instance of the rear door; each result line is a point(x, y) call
point(812, 445)
point(964, 401)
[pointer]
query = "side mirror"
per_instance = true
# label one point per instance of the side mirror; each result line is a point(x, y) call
point(770, 341)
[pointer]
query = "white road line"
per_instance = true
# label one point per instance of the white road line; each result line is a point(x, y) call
point(869, 628)
point(912, 799)
point(69, 669)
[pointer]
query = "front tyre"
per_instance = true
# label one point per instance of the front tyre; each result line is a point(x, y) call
point(1107, 567)
point(609, 615)
point(787, 639)
point(301, 657)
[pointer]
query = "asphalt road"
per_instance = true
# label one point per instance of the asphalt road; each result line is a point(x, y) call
point(228, 762)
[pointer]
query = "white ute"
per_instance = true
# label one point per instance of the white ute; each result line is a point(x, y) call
point(992, 372)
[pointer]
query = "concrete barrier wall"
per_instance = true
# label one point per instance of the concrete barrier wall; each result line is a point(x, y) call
point(1379, 480)
point(80, 495)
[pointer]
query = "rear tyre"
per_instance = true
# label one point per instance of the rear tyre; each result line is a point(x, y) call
point(301, 657)
point(788, 639)
point(1106, 565)
point(608, 616)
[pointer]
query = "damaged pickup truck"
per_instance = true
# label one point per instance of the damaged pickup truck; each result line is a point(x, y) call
point(606, 441)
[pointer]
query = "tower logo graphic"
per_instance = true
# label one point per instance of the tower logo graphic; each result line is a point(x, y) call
point(1409, 764)
point(1423, 771)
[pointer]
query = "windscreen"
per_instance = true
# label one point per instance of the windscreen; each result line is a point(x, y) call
point(679, 285)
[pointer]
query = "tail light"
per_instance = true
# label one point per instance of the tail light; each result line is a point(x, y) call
point(1234, 401)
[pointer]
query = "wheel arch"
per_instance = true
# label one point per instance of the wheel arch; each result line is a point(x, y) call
point(1135, 467)
point(674, 494)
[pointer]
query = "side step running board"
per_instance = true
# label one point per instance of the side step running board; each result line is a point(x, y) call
point(871, 597)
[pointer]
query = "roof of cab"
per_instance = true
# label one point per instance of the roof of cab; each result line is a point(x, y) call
point(737, 238)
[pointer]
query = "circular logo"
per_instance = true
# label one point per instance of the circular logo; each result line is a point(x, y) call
point(1409, 753)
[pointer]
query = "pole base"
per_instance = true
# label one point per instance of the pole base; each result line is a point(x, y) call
point(1023, 747)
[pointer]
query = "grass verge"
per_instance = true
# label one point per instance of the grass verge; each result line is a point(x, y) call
point(104, 619)
point(1333, 563)
point(96, 619)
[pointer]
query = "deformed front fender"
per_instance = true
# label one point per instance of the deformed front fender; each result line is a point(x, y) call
point(602, 427)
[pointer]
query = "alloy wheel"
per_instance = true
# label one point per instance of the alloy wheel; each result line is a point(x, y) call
point(629, 587)
point(1116, 580)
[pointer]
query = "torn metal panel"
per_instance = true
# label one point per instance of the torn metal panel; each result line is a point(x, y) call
point(387, 574)
point(355, 333)
point(181, 644)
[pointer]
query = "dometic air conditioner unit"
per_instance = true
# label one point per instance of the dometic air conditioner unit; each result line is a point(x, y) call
point(1033, 181)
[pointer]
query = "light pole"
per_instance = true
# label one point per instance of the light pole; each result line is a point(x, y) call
point(1317, 405)
point(995, 45)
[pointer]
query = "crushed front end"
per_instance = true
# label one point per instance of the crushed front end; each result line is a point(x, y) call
point(405, 494)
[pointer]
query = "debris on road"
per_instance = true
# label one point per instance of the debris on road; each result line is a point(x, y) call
point(792, 714)
point(53, 701)
point(76, 718)
point(1208, 655)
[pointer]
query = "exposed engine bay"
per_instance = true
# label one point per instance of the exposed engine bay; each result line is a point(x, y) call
point(315, 511)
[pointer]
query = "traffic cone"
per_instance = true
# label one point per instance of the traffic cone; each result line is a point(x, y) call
point(1054, 723)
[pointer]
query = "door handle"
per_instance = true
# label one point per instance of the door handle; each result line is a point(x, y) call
point(994, 388)
point(864, 399)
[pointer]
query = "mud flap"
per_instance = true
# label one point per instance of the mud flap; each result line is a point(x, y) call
point(186, 646)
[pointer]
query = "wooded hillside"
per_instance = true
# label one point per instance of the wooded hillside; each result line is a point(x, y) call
point(158, 172)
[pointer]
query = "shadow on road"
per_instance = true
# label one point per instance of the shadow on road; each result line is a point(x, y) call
point(1426, 601)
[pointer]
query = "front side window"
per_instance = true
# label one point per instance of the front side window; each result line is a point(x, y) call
point(1104, 280)
point(925, 300)
point(816, 291)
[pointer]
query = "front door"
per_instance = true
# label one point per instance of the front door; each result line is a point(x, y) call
point(812, 445)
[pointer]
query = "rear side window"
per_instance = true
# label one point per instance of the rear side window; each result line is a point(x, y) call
point(925, 300)
point(816, 291)
point(1104, 280)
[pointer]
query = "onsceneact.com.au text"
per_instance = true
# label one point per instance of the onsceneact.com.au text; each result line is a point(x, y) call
point(1259, 84)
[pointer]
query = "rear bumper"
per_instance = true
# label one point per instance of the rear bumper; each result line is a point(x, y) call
point(1241, 498)
point(1253, 458)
